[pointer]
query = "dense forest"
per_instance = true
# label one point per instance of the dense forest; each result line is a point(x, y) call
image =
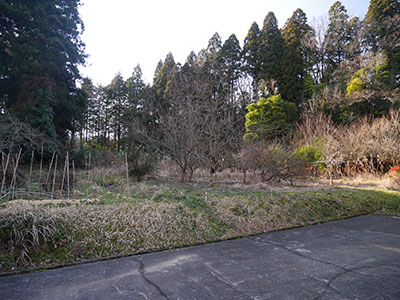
point(289, 97)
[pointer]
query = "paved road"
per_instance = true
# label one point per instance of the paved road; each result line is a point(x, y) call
point(357, 258)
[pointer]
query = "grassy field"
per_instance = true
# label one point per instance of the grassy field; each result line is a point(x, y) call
point(152, 216)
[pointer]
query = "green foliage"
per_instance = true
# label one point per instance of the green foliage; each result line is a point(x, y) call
point(135, 87)
point(309, 153)
point(297, 58)
point(230, 59)
point(338, 39)
point(40, 51)
point(269, 118)
point(106, 180)
point(373, 77)
point(309, 87)
point(162, 77)
point(357, 81)
point(251, 51)
point(271, 50)
point(382, 24)
point(378, 11)
point(141, 161)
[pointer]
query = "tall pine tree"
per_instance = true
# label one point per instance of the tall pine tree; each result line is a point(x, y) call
point(251, 56)
point(230, 59)
point(271, 51)
point(382, 26)
point(296, 60)
point(338, 38)
point(40, 51)
point(162, 76)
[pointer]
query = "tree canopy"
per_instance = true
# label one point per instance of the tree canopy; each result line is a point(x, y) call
point(40, 51)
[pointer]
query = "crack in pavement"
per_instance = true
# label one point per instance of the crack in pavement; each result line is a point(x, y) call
point(215, 274)
point(142, 273)
point(328, 285)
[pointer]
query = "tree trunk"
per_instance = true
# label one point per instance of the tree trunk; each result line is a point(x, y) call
point(191, 173)
point(212, 174)
point(183, 173)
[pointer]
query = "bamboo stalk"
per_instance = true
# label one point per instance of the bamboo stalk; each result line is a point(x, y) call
point(4, 173)
point(49, 171)
point(54, 177)
point(85, 166)
point(40, 168)
point(68, 186)
point(63, 178)
point(14, 178)
point(119, 171)
point(88, 177)
point(73, 179)
point(127, 171)
point(30, 174)
point(2, 160)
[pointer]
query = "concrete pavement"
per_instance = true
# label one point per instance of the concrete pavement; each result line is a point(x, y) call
point(357, 258)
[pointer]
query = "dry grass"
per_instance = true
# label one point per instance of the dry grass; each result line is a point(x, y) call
point(161, 216)
point(25, 229)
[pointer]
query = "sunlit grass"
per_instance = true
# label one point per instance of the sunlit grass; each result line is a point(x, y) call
point(114, 222)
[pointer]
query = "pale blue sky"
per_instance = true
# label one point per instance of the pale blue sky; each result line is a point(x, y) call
point(119, 34)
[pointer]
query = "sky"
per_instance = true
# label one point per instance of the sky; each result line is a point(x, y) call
point(121, 34)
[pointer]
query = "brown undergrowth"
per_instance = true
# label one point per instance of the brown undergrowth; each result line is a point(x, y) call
point(38, 234)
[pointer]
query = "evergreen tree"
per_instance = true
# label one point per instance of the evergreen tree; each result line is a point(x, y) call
point(382, 27)
point(251, 50)
point(378, 12)
point(230, 59)
point(355, 47)
point(40, 51)
point(211, 63)
point(271, 51)
point(338, 38)
point(296, 59)
point(117, 94)
point(162, 76)
point(269, 118)
point(135, 87)
point(157, 70)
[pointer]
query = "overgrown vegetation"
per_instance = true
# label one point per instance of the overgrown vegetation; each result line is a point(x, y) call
point(343, 71)
point(151, 217)
point(295, 102)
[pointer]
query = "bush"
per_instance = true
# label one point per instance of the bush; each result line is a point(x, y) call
point(310, 153)
point(269, 118)
point(140, 161)
point(275, 160)
point(367, 145)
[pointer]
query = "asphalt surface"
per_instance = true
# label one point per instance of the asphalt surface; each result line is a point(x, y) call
point(357, 258)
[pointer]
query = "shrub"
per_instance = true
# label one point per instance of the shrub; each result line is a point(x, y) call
point(140, 161)
point(310, 153)
point(269, 118)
